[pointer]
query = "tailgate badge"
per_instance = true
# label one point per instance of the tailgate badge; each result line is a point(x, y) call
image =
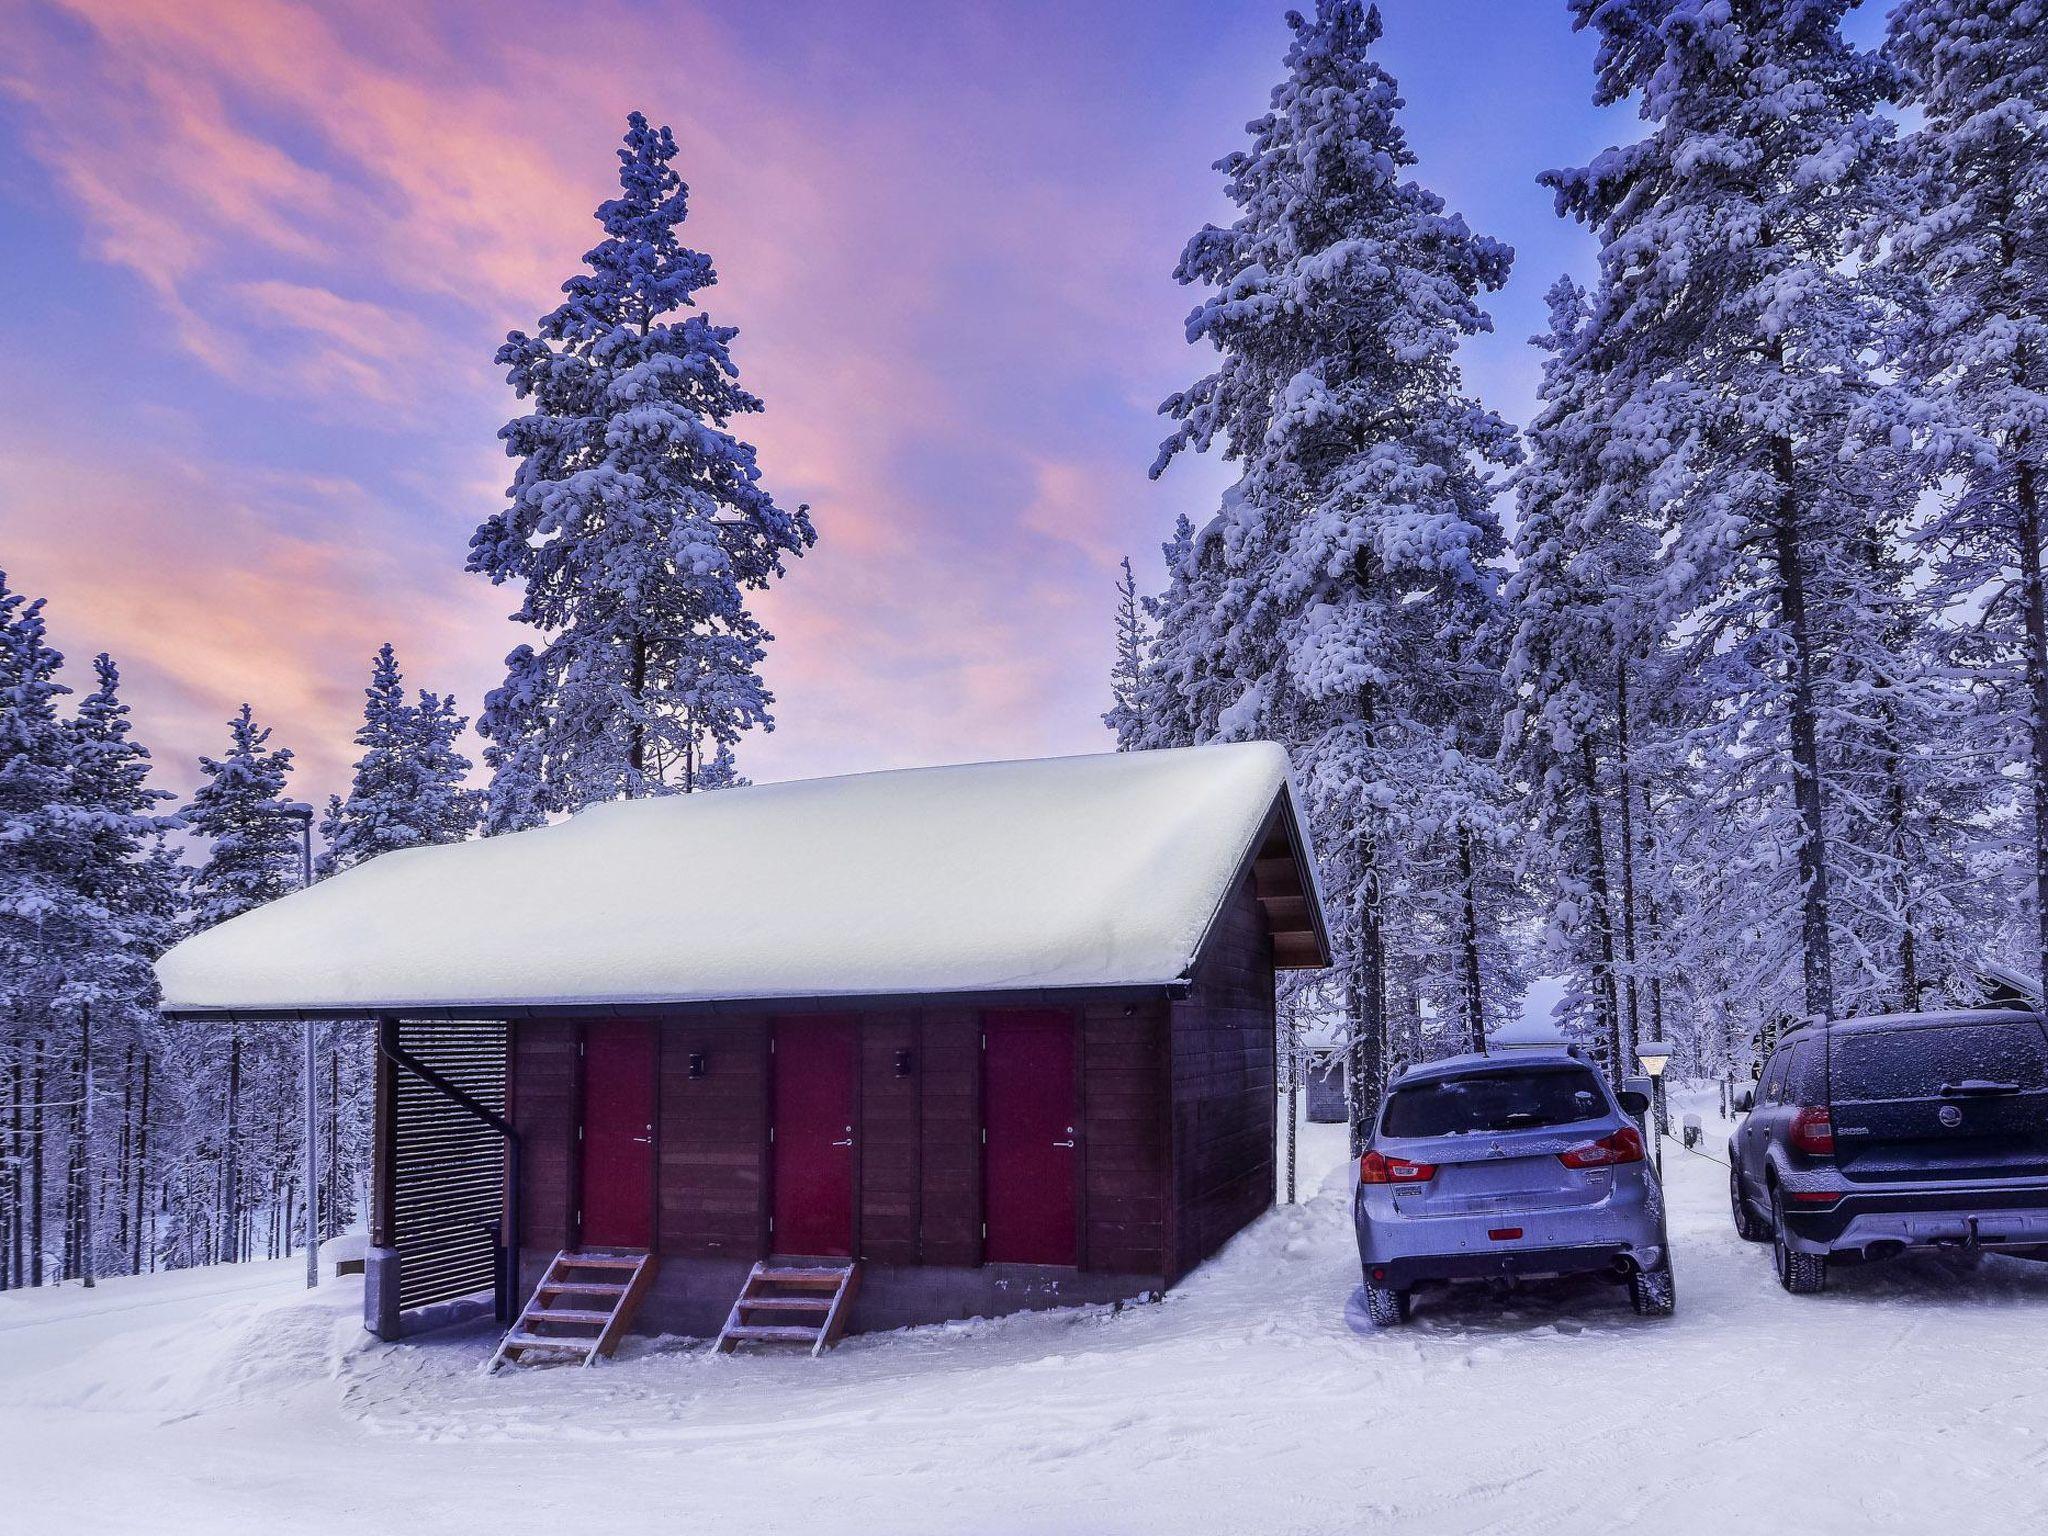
point(1496, 1150)
point(1949, 1116)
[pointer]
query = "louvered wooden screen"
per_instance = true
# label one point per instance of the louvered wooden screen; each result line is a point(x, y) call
point(448, 1167)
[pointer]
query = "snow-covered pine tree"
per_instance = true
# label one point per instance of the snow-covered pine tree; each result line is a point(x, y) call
point(1126, 713)
point(1729, 336)
point(515, 744)
point(722, 772)
point(1336, 598)
point(637, 522)
point(408, 789)
point(41, 915)
point(1970, 238)
point(252, 851)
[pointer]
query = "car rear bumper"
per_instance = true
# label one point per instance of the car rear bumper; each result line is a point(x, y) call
point(1895, 1220)
point(1616, 1259)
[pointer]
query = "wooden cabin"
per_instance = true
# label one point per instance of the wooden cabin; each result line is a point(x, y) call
point(974, 1039)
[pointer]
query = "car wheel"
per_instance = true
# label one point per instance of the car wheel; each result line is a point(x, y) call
point(1803, 1274)
point(1387, 1307)
point(1747, 1227)
point(1654, 1292)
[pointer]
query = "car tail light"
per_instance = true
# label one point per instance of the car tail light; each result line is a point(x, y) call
point(1813, 1196)
point(1813, 1133)
point(1623, 1146)
point(1377, 1168)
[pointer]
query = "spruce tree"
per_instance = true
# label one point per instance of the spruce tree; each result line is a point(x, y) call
point(636, 522)
point(1729, 336)
point(252, 851)
point(1336, 601)
point(408, 787)
point(1126, 713)
point(1968, 240)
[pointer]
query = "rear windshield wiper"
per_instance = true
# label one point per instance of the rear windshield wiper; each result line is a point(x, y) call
point(1976, 1085)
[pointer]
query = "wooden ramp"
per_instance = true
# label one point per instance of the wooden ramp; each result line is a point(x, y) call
point(792, 1303)
point(581, 1308)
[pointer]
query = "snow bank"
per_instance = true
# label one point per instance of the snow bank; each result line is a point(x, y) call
point(1078, 871)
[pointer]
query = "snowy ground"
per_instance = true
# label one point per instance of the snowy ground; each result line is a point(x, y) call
point(1909, 1398)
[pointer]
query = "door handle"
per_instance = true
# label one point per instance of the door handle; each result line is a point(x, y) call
point(1069, 1141)
point(1063, 1143)
point(846, 1143)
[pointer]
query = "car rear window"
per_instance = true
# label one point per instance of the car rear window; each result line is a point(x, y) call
point(1915, 1063)
point(1494, 1101)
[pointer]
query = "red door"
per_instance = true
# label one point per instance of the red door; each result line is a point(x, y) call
point(1028, 1109)
point(814, 1119)
point(618, 1134)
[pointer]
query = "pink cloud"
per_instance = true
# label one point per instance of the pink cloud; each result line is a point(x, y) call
point(344, 207)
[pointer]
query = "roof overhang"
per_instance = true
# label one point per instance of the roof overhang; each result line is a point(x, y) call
point(693, 1008)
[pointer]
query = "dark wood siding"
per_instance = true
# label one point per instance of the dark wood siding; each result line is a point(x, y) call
point(1126, 1213)
point(888, 1142)
point(544, 1110)
point(1223, 1085)
point(713, 1182)
point(949, 1106)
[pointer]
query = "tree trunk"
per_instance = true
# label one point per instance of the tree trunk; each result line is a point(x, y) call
point(1603, 916)
point(2036, 606)
point(1468, 944)
point(230, 1194)
point(86, 1264)
point(1632, 1018)
point(141, 1168)
point(35, 1194)
point(1809, 799)
point(636, 752)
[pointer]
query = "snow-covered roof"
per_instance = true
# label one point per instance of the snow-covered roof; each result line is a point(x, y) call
point(1065, 872)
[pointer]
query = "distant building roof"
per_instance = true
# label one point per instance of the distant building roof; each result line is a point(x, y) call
point(1072, 872)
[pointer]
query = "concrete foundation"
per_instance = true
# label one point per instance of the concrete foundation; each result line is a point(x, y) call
point(691, 1297)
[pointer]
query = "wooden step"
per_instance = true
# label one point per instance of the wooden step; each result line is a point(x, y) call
point(785, 1303)
point(759, 1333)
point(624, 1297)
point(829, 1279)
point(520, 1339)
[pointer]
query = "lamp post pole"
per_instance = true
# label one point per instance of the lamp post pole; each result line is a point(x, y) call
point(1655, 1055)
point(299, 811)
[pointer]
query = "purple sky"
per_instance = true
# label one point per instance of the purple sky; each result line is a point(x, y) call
point(259, 255)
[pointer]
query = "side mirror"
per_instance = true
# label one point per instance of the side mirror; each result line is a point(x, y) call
point(1744, 1101)
point(1634, 1101)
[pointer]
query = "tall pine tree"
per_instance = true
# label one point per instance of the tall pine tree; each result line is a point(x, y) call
point(1338, 598)
point(1969, 239)
point(637, 522)
point(1729, 337)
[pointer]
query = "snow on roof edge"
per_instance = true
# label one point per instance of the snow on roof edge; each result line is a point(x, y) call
point(1001, 877)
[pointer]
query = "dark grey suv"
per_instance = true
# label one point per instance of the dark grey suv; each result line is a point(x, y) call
point(1870, 1137)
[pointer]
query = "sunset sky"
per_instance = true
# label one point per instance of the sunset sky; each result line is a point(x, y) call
point(257, 257)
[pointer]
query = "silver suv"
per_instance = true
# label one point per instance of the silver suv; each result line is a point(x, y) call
point(1513, 1166)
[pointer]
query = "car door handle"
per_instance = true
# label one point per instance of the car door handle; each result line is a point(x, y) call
point(1063, 1143)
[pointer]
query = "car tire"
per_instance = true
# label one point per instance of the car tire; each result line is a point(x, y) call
point(1803, 1274)
point(1747, 1227)
point(1385, 1306)
point(1654, 1292)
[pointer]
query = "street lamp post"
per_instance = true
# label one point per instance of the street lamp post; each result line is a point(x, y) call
point(299, 811)
point(1655, 1055)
